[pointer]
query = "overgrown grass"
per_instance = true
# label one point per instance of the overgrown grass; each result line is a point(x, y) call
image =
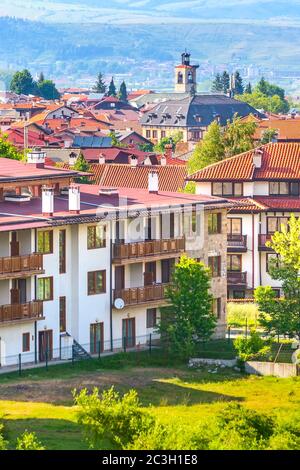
point(238, 314)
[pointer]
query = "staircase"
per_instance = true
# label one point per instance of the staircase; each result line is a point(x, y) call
point(79, 353)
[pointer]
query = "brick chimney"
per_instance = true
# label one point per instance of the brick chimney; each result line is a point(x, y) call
point(47, 201)
point(169, 151)
point(74, 199)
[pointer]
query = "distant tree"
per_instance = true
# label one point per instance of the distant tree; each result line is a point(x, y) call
point(41, 78)
point(217, 85)
point(269, 89)
point(7, 150)
point(82, 165)
point(269, 135)
point(238, 87)
point(47, 90)
point(146, 147)
point(209, 150)
point(262, 86)
point(238, 136)
point(22, 83)
point(271, 104)
point(100, 86)
point(123, 92)
point(112, 91)
point(248, 89)
point(173, 139)
point(225, 81)
point(189, 318)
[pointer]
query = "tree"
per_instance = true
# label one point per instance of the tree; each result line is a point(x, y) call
point(217, 85)
point(100, 86)
point(47, 90)
point(112, 88)
point(269, 135)
point(41, 78)
point(189, 318)
point(22, 83)
point(238, 136)
point(248, 89)
point(82, 165)
point(272, 104)
point(173, 139)
point(209, 150)
point(262, 86)
point(146, 147)
point(238, 87)
point(123, 92)
point(269, 89)
point(282, 316)
point(225, 82)
point(7, 150)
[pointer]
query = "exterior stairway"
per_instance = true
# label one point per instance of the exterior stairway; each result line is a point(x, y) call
point(79, 353)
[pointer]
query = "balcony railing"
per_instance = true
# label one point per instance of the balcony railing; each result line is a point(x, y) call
point(20, 312)
point(141, 295)
point(262, 239)
point(11, 266)
point(235, 278)
point(127, 251)
point(236, 242)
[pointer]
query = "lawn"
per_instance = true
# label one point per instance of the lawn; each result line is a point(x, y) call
point(41, 401)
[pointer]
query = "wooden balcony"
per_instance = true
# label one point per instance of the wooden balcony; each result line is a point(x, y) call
point(236, 278)
point(15, 313)
point(21, 266)
point(236, 243)
point(155, 249)
point(142, 295)
point(262, 239)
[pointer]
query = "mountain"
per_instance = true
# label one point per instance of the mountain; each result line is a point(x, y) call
point(153, 11)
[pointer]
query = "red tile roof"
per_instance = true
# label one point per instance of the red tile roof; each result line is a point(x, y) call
point(11, 170)
point(280, 161)
point(265, 203)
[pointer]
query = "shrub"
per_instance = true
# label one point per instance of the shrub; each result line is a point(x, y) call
point(252, 347)
point(3, 442)
point(29, 441)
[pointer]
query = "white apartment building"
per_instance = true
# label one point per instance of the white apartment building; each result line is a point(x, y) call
point(89, 266)
point(266, 184)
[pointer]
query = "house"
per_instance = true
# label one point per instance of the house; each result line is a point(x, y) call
point(287, 127)
point(266, 181)
point(90, 264)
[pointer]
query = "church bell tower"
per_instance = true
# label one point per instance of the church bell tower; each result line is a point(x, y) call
point(186, 75)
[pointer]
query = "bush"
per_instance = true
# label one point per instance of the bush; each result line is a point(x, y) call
point(28, 441)
point(3, 442)
point(252, 347)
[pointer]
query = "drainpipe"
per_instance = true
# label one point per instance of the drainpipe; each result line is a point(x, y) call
point(253, 244)
point(110, 284)
point(35, 296)
point(260, 272)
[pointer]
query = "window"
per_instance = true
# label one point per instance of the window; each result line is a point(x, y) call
point(283, 188)
point(234, 263)
point(214, 263)
point(96, 282)
point(62, 315)
point(196, 135)
point(45, 242)
point(96, 237)
point(214, 223)
point(234, 226)
point(26, 342)
point(62, 251)
point(45, 288)
point(239, 294)
point(271, 259)
point(217, 307)
point(154, 134)
point(148, 134)
point(274, 224)
point(163, 134)
point(151, 317)
point(227, 189)
point(179, 78)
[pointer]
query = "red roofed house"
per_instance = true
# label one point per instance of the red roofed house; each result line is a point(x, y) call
point(267, 181)
point(84, 269)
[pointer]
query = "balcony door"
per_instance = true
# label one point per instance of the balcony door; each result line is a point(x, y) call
point(167, 266)
point(96, 338)
point(234, 227)
point(119, 277)
point(45, 345)
point(150, 274)
point(14, 245)
point(18, 291)
point(128, 329)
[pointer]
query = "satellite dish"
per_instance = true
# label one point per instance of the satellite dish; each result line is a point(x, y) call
point(119, 304)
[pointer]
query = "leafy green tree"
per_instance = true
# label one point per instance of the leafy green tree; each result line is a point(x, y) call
point(123, 95)
point(82, 165)
point(22, 83)
point(225, 82)
point(189, 318)
point(112, 421)
point(269, 89)
point(209, 150)
point(100, 85)
point(29, 441)
point(217, 85)
point(269, 135)
point(173, 139)
point(41, 78)
point(238, 87)
point(146, 147)
point(262, 86)
point(282, 316)
point(238, 136)
point(7, 150)
point(47, 90)
point(272, 104)
point(112, 91)
point(248, 89)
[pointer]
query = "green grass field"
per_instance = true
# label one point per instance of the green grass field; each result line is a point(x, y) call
point(41, 401)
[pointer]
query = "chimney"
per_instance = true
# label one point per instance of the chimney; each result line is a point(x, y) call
point(74, 199)
point(169, 151)
point(47, 201)
point(72, 158)
point(36, 157)
point(133, 160)
point(257, 157)
point(101, 159)
point(153, 182)
point(163, 160)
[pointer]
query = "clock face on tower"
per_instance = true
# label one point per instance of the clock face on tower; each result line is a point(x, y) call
point(119, 304)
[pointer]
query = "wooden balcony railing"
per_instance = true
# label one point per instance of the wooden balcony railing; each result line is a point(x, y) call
point(262, 239)
point(236, 242)
point(19, 265)
point(20, 312)
point(141, 295)
point(235, 278)
point(127, 251)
